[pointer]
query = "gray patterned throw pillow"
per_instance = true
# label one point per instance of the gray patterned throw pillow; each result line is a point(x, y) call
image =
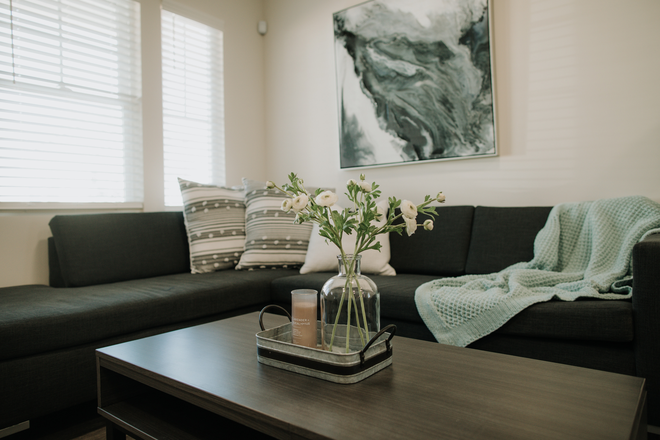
point(272, 239)
point(215, 223)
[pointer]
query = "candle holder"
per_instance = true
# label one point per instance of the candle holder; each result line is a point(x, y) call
point(303, 311)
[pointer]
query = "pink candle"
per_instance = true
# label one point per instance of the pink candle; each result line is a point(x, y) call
point(303, 307)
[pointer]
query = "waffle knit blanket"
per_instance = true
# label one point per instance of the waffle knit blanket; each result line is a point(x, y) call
point(584, 250)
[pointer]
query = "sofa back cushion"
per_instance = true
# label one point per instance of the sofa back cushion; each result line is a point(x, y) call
point(503, 236)
point(442, 251)
point(105, 248)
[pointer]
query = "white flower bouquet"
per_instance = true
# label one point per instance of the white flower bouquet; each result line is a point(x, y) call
point(364, 219)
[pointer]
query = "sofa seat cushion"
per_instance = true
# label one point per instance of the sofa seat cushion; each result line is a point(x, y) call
point(617, 357)
point(38, 319)
point(585, 320)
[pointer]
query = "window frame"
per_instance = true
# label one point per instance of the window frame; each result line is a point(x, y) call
point(14, 206)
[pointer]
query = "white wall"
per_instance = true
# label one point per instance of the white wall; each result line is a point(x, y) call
point(577, 110)
point(23, 234)
point(576, 105)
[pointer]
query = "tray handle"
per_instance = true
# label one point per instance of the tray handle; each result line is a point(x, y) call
point(387, 342)
point(261, 314)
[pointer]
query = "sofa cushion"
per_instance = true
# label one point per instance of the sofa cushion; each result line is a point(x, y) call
point(38, 319)
point(272, 238)
point(215, 222)
point(584, 319)
point(105, 248)
point(503, 236)
point(442, 251)
point(606, 356)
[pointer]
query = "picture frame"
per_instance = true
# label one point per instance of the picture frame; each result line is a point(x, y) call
point(414, 82)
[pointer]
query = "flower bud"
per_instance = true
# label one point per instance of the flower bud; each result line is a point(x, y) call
point(440, 197)
point(364, 186)
point(362, 177)
point(270, 184)
point(428, 225)
point(286, 205)
point(351, 182)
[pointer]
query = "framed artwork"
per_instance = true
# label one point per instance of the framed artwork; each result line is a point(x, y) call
point(414, 79)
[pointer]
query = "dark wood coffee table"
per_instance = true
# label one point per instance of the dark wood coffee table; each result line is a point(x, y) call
point(203, 381)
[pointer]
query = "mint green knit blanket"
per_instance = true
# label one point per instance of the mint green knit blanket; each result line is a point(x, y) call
point(584, 250)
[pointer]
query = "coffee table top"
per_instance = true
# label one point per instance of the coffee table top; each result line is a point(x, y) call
point(430, 391)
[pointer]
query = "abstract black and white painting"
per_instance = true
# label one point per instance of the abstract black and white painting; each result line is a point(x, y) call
point(414, 81)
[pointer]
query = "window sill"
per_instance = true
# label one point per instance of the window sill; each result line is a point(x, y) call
point(53, 206)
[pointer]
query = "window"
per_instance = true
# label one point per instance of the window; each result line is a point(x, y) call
point(193, 100)
point(70, 101)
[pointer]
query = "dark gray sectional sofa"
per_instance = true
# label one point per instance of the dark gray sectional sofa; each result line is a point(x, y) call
point(117, 277)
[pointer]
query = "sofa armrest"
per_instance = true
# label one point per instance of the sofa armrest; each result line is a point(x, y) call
point(646, 312)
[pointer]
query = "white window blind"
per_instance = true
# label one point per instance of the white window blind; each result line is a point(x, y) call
point(70, 101)
point(193, 100)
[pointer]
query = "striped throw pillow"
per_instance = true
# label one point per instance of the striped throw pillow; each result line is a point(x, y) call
point(215, 223)
point(272, 239)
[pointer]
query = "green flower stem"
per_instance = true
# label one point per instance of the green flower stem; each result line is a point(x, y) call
point(358, 245)
point(357, 317)
point(348, 318)
point(364, 317)
point(350, 269)
point(334, 327)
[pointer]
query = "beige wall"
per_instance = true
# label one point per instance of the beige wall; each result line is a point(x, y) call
point(576, 107)
point(23, 235)
point(576, 103)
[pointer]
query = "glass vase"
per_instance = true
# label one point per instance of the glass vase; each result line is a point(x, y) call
point(350, 308)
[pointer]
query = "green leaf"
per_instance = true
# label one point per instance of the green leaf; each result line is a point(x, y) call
point(338, 219)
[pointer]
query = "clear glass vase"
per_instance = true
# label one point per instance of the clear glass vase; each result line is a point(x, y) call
point(350, 308)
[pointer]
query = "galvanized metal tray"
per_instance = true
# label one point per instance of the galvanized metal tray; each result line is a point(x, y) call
point(275, 348)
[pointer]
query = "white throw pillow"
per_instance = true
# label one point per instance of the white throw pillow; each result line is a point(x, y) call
point(215, 224)
point(322, 256)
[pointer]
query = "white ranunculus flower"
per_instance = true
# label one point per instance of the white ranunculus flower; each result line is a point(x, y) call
point(428, 225)
point(287, 204)
point(326, 198)
point(409, 209)
point(270, 184)
point(365, 186)
point(299, 202)
point(440, 197)
point(351, 182)
point(411, 225)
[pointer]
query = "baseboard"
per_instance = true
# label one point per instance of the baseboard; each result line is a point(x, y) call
point(653, 429)
point(4, 432)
